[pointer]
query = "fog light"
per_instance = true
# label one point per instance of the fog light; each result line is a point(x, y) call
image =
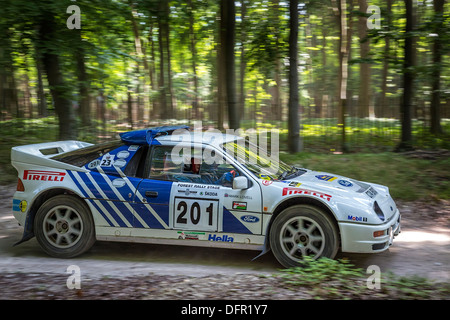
point(377, 234)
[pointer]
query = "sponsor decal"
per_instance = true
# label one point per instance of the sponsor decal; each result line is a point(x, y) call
point(237, 196)
point(23, 206)
point(267, 182)
point(345, 183)
point(187, 235)
point(118, 183)
point(264, 177)
point(250, 218)
point(289, 191)
point(16, 203)
point(325, 177)
point(94, 164)
point(294, 184)
point(107, 160)
point(42, 175)
point(187, 191)
point(123, 154)
point(355, 218)
point(224, 238)
point(119, 163)
point(185, 185)
point(239, 205)
point(133, 148)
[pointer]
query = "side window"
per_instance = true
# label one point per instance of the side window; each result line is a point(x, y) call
point(135, 167)
point(162, 167)
point(194, 168)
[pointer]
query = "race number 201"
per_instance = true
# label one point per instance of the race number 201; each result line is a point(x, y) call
point(195, 214)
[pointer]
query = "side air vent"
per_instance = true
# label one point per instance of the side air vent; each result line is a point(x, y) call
point(378, 211)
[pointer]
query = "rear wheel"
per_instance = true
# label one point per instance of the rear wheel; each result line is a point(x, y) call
point(64, 227)
point(303, 230)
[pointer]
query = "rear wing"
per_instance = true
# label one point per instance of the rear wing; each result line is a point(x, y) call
point(40, 154)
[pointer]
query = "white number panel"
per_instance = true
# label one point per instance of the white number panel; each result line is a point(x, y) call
point(195, 214)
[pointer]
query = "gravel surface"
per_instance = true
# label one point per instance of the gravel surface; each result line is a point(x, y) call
point(17, 283)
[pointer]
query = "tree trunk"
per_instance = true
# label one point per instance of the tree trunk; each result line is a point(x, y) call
point(228, 17)
point(408, 79)
point(435, 108)
point(293, 116)
point(382, 112)
point(243, 62)
point(42, 102)
point(166, 105)
point(155, 110)
point(364, 70)
point(343, 71)
point(83, 85)
point(58, 88)
point(195, 100)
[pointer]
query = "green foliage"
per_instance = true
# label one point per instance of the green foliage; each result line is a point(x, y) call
point(339, 279)
point(325, 278)
point(408, 178)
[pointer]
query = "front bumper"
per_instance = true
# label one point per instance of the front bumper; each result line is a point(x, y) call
point(359, 238)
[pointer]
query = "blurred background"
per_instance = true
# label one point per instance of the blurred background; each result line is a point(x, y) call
point(334, 75)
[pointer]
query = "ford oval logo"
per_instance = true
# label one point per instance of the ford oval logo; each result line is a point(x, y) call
point(249, 218)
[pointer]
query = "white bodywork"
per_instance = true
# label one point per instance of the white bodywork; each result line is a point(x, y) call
point(227, 217)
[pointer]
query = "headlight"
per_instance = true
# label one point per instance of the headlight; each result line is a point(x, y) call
point(378, 211)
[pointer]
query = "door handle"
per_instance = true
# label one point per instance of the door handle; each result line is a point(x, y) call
point(151, 194)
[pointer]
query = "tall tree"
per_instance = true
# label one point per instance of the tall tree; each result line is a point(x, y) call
point(435, 107)
point(382, 112)
point(165, 79)
point(364, 69)
point(293, 112)
point(192, 42)
point(59, 90)
point(408, 78)
point(83, 84)
point(344, 47)
point(228, 17)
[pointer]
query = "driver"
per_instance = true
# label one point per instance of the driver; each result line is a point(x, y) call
point(192, 174)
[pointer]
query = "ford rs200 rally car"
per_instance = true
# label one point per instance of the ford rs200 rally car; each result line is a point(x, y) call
point(156, 186)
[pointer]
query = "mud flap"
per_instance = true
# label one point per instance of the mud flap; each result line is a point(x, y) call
point(27, 230)
point(265, 249)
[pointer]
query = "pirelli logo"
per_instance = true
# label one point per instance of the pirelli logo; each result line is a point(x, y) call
point(289, 191)
point(41, 175)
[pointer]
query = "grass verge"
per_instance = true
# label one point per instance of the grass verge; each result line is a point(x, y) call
point(338, 279)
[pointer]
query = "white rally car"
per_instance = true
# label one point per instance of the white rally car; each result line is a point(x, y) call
point(71, 193)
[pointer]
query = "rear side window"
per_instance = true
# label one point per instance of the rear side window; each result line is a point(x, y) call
point(82, 156)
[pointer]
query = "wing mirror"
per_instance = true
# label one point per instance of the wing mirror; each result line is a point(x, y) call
point(241, 182)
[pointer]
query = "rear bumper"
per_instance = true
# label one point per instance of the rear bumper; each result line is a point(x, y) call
point(359, 238)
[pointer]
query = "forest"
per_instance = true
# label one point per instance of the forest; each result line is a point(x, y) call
point(329, 74)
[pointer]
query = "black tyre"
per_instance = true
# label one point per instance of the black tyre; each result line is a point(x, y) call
point(64, 227)
point(303, 230)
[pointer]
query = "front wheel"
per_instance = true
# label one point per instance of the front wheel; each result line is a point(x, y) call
point(303, 230)
point(64, 227)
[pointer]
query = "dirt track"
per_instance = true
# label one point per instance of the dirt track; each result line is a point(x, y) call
point(423, 249)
